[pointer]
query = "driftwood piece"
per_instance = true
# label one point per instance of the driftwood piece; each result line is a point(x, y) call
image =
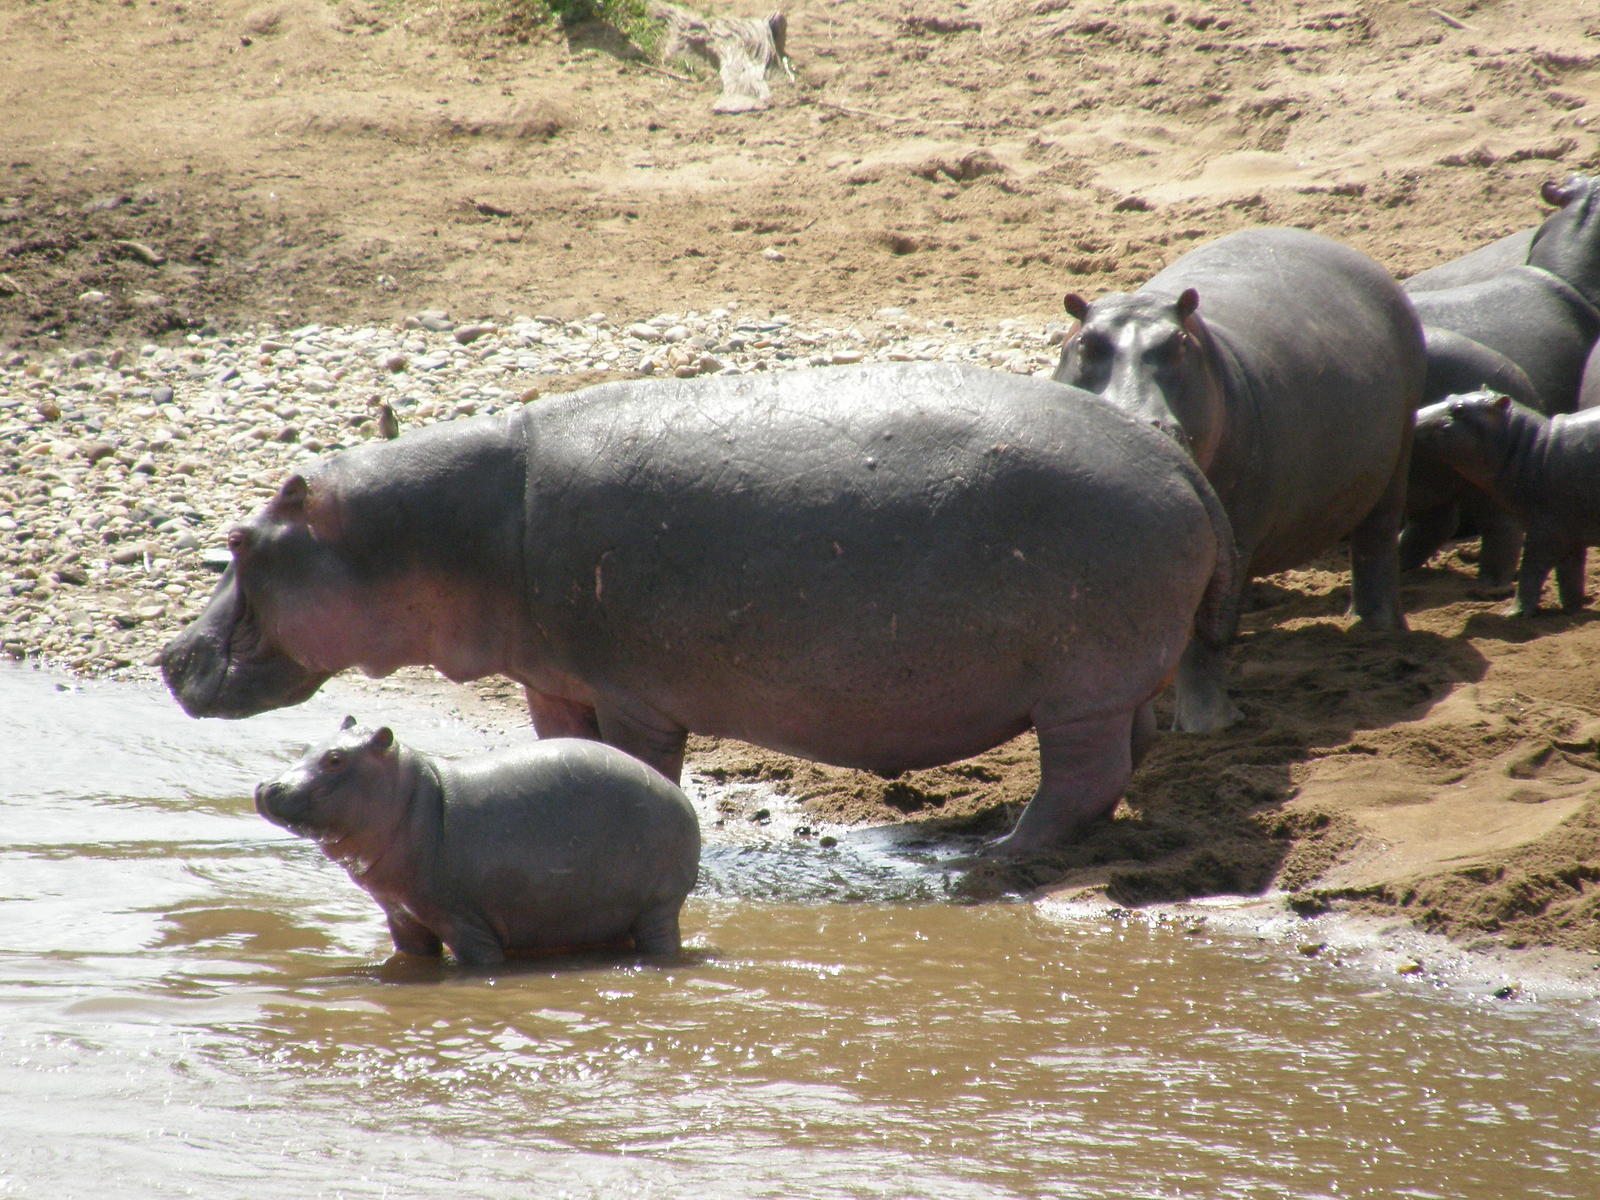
point(742, 49)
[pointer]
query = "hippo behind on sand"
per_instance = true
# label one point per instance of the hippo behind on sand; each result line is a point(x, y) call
point(551, 846)
point(1544, 470)
point(883, 567)
point(1541, 314)
point(1290, 365)
point(1502, 254)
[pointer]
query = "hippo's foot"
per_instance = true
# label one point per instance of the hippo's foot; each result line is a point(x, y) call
point(656, 932)
point(1084, 767)
point(1201, 701)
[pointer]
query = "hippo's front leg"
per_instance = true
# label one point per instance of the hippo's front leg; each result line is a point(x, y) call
point(653, 739)
point(412, 937)
point(1084, 767)
point(1425, 534)
point(557, 717)
point(1501, 544)
point(1569, 578)
point(1538, 558)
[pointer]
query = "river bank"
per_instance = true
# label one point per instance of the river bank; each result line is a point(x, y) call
point(1444, 778)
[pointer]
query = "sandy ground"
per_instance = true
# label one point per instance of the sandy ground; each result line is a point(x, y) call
point(297, 161)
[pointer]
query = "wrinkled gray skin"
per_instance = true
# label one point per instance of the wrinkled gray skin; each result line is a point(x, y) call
point(1543, 470)
point(1526, 302)
point(1289, 365)
point(1589, 390)
point(883, 567)
point(556, 845)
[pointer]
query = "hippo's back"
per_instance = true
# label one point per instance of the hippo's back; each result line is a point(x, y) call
point(582, 815)
point(789, 558)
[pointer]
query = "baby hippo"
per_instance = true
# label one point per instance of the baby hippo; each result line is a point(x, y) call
point(555, 845)
point(1545, 471)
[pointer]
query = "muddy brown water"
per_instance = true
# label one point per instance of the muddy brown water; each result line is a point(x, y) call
point(194, 1003)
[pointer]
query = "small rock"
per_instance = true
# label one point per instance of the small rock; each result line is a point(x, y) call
point(48, 409)
point(127, 555)
point(1409, 966)
point(432, 319)
point(467, 334)
point(773, 254)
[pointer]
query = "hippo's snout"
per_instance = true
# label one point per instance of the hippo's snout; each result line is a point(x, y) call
point(279, 803)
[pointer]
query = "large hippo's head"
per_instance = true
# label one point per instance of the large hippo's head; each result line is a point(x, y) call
point(1568, 243)
point(1472, 433)
point(243, 654)
point(350, 785)
point(1151, 357)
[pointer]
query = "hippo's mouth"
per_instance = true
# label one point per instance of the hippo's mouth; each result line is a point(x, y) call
point(222, 665)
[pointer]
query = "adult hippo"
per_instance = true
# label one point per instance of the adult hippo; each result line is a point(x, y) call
point(884, 567)
point(1290, 365)
point(1540, 314)
point(551, 846)
point(1500, 255)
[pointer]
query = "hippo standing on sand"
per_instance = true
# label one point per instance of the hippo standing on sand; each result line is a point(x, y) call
point(883, 567)
point(1517, 317)
point(1289, 365)
point(552, 846)
point(1543, 470)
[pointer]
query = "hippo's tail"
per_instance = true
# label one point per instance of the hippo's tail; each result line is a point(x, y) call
point(1217, 618)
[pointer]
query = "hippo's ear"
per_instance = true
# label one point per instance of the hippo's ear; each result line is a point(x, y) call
point(1502, 406)
point(381, 739)
point(291, 498)
point(348, 723)
point(1559, 195)
point(1187, 303)
point(1077, 307)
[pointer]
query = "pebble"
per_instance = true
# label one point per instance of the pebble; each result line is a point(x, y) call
point(122, 467)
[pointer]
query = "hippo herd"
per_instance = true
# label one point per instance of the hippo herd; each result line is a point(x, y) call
point(892, 566)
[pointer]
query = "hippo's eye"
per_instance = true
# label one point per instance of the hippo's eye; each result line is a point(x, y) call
point(333, 760)
point(238, 539)
point(1093, 345)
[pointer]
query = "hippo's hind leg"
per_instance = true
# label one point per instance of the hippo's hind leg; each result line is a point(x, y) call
point(1084, 767)
point(1375, 555)
point(656, 931)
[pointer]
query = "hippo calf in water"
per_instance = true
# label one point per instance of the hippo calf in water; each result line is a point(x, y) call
point(1543, 470)
point(553, 846)
point(883, 567)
